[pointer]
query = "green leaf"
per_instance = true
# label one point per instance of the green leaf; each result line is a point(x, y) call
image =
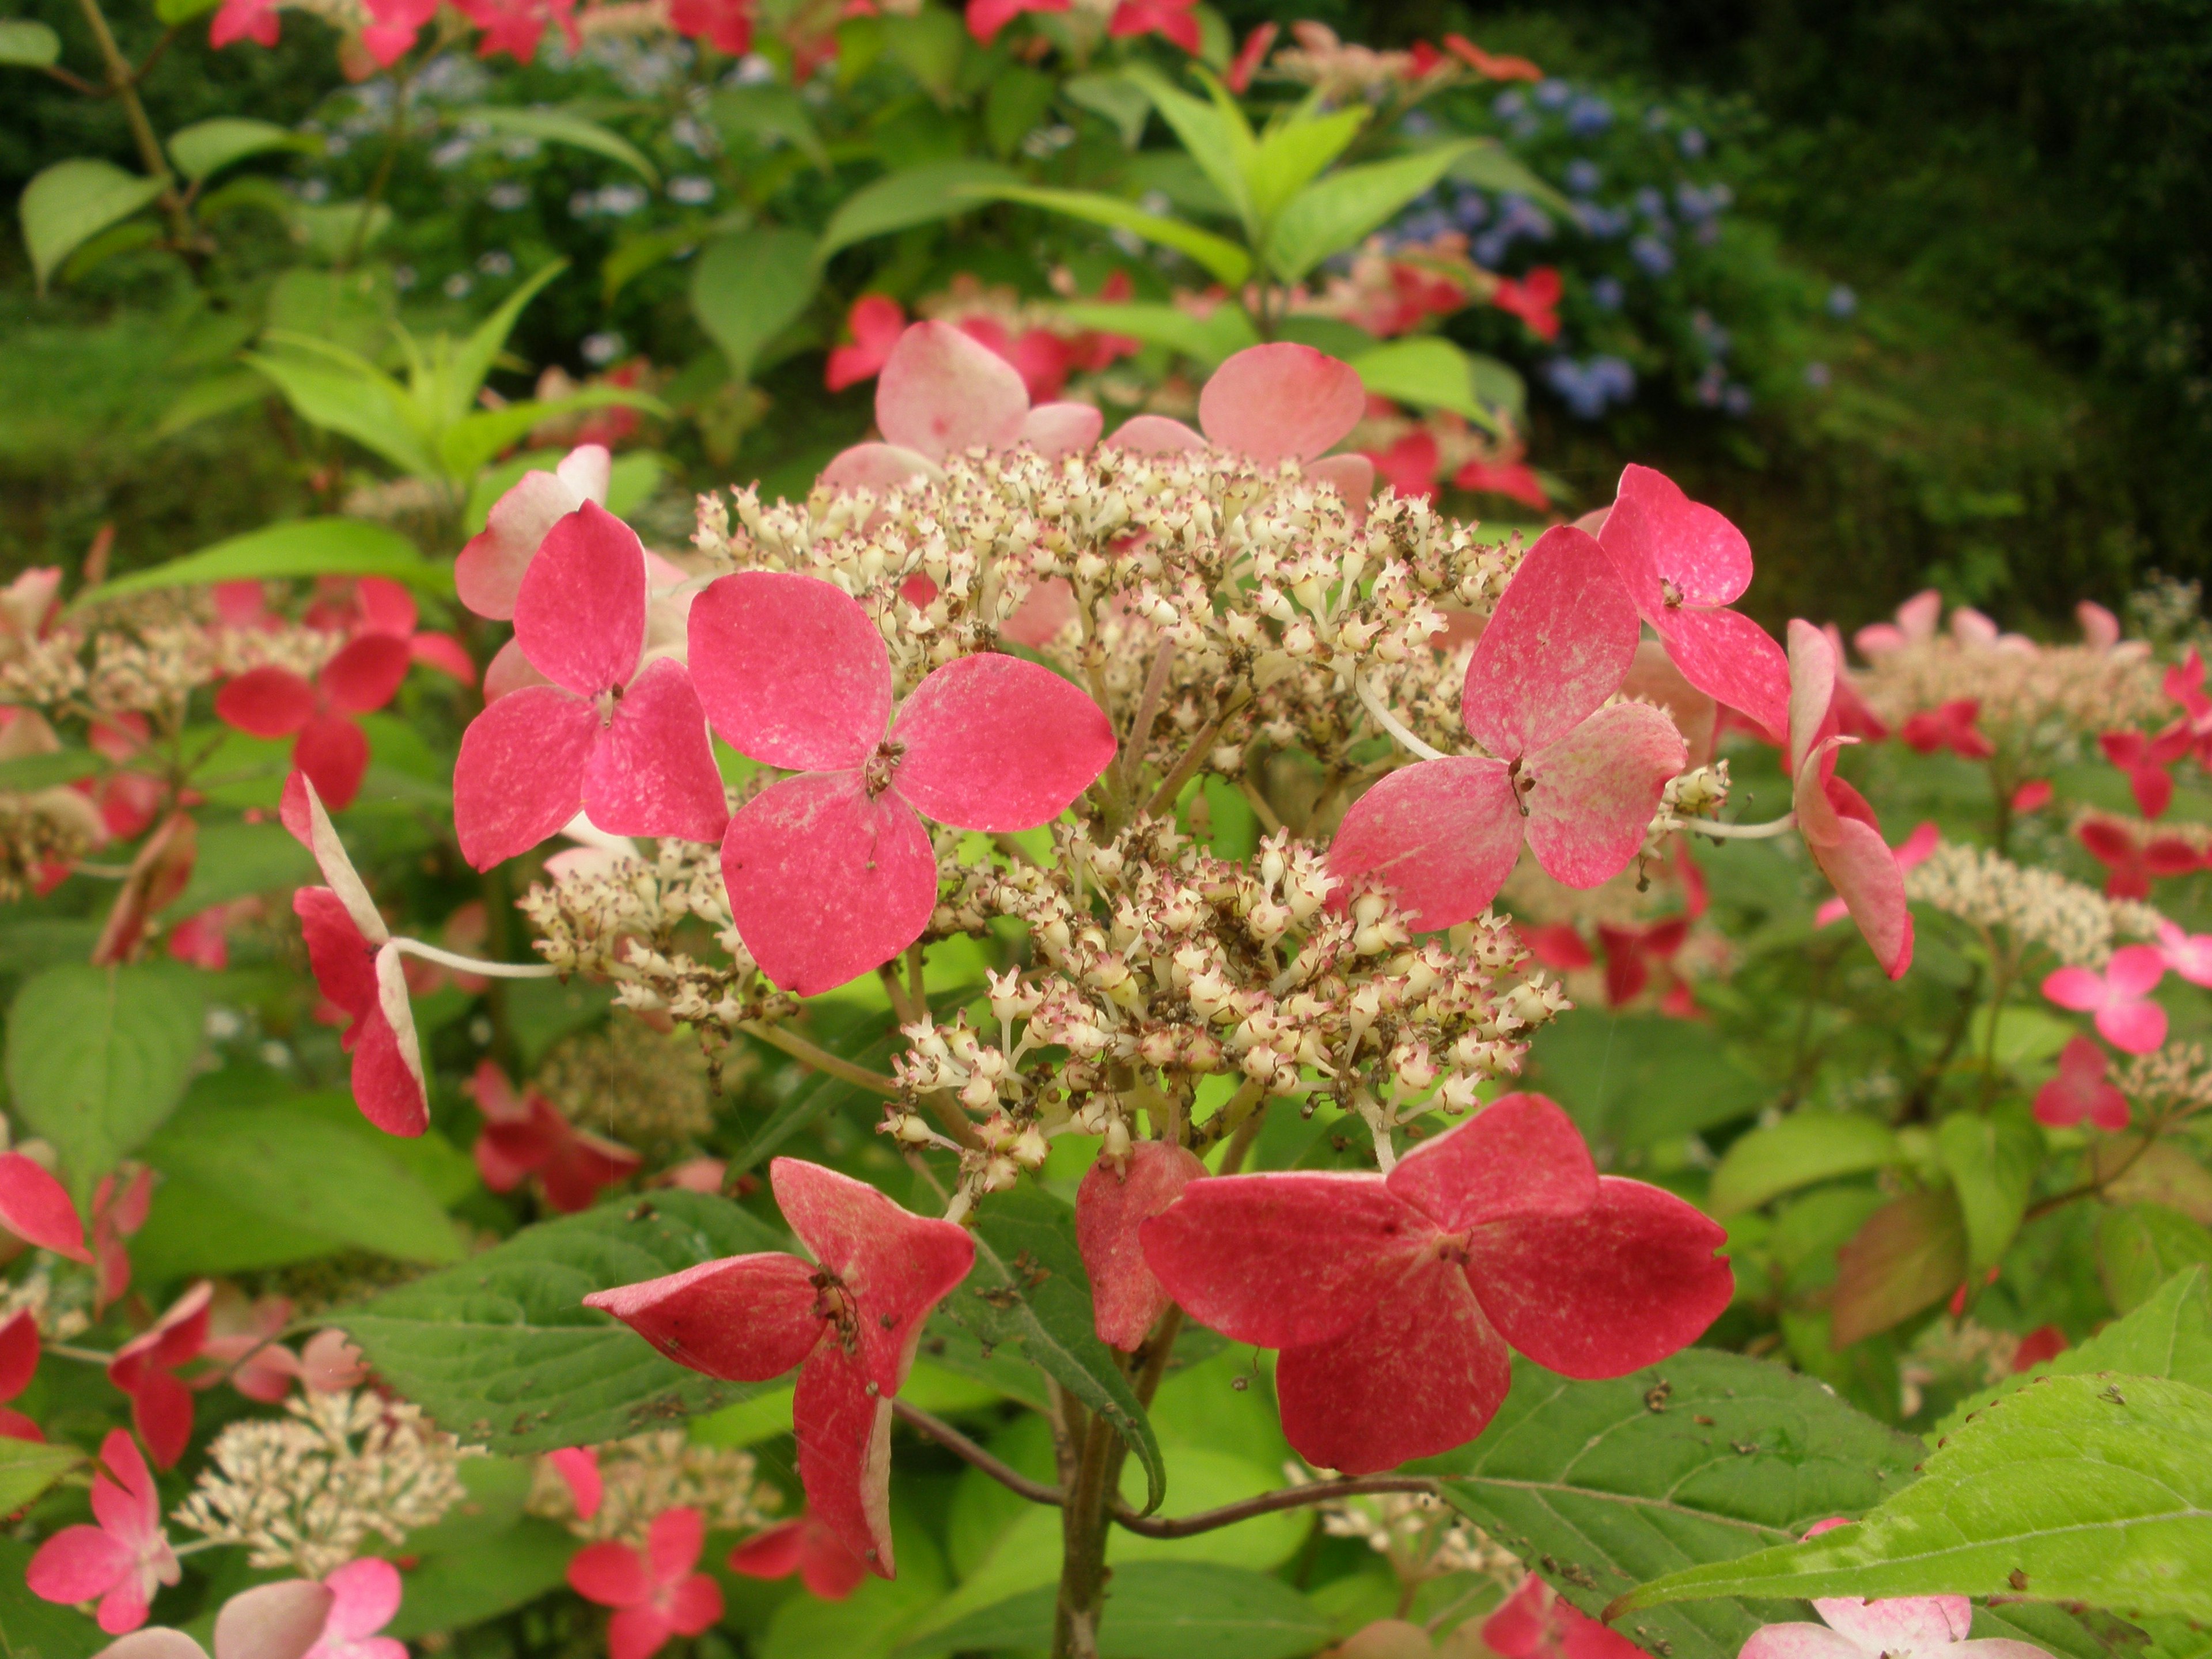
point(473, 359)
point(502, 1353)
point(1116, 97)
point(1336, 213)
point(1636, 1081)
point(304, 547)
point(210, 396)
point(33, 1629)
point(27, 1467)
point(749, 288)
point(1805, 1148)
point(28, 45)
point(1294, 155)
point(2141, 1246)
point(2128, 1172)
point(236, 860)
point(332, 230)
point(73, 201)
point(561, 126)
point(1216, 138)
point(770, 113)
point(205, 148)
point(98, 1057)
point(1705, 1457)
point(183, 11)
point(1208, 340)
point(1908, 1255)
point(1427, 372)
point(303, 1172)
point(1014, 107)
point(2095, 1489)
point(365, 407)
point(1992, 1163)
point(1488, 165)
point(470, 443)
point(1221, 258)
point(452, 1590)
point(28, 772)
point(1028, 1287)
point(914, 195)
point(1158, 1610)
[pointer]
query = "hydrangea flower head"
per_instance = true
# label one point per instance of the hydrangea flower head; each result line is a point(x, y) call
point(654, 1591)
point(2081, 1089)
point(145, 1368)
point(317, 714)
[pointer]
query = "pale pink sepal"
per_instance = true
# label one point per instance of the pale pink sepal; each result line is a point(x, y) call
point(36, 1208)
point(941, 392)
point(996, 743)
point(282, 1620)
point(1155, 435)
point(580, 616)
point(1558, 644)
point(879, 467)
point(1110, 1205)
point(1443, 835)
point(1280, 402)
point(487, 575)
point(1066, 429)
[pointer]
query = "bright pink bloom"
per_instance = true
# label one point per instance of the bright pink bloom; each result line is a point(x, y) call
point(726, 25)
point(1683, 564)
point(244, 20)
point(1535, 300)
point(1535, 1624)
point(377, 604)
point(1911, 853)
point(1408, 466)
point(1172, 20)
point(1838, 828)
point(1579, 780)
point(119, 1206)
point(1271, 404)
point(515, 26)
point(1043, 359)
point(875, 322)
point(1249, 56)
point(1394, 1297)
point(242, 1344)
point(121, 1561)
point(358, 967)
point(19, 1363)
point(2080, 1090)
point(2039, 1347)
point(805, 1547)
point(2144, 759)
point(831, 873)
point(523, 1136)
point(2119, 997)
point(1110, 1207)
point(986, 17)
point(36, 1208)
point(1631, 953)
point(2033, 796)
point(145, 1369)
point(1950, 726)
point(1485, 64)
point(1558, 947)
point(1514, 480)
point(2187, 954)
point(390, 33)
point(625, 744)
point(1924, 1626)
point(2133, 864)
point(364, 1596)
point(487, 575)
point(579, 1469)
point(654, 1591)
point(1915, 624)
point(850, 1325)
point(330, 747)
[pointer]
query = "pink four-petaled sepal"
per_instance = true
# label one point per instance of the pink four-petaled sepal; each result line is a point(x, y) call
point(1397, 1300)
point(1579, 780)
point(831, 873)
point(19, 1364)
point(654, 1591)
point(123, 1559)
point(365, 1595)
point(523, 1135)
point(1271, 404)
point(1684, 565)
point(623, 743)
point(1110, 1205)
point(850, 1324)
point(806, 1547)
point(145, 1368)
point(2119, 998)
point(2082, 1090)
point(487, 575)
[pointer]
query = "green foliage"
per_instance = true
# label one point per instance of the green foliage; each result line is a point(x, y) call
point(33, 1629)
point(71, 202)
point(27, 1467)
point(1992, 1161)
point(562, 127)
point(1803, 1148)
point(749, 287)
point(28, 45)
point(206, 148)
point(917, 195)
point(1160, 1610)
point(2141, 1246)
point(304, 547)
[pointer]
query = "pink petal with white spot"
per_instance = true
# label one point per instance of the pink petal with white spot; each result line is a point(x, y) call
point(1657, 533)
point(844, 1430)
point(745, 1318)
point(1594, 791)
point(521, 774)
point(825, 883)
point(1155, 435)
point(997, 742)
point(1352, 478)
point(1443, 835)
point(1056, 430)
point(1110, 1204)
point(1558, 645)
point(1281, 402)
point(791, 671)
point(489, 573)
point(879, 467)
point(1899, 1624)
point(1732, 659)
point(365, 673)
point(1800, 1641)
point(941, 392)
point(266, 702)
point(1520, 1156)
point(653, 771)
point(581, 614)
point(1423, 1372)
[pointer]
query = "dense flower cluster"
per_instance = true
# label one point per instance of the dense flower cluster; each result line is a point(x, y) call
point(2076, 924)
point(641, 1478)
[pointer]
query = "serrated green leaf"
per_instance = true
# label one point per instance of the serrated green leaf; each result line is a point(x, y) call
point(915, 196)
point(1221, 258)
point(1208, 340)
point(1336, 212)
point(303, 547)
point(502, 1351)
point(71, 202)
point(205, 148)
point(747, 289)
point(562, 127)
point(2093, 1489)
point(28, 45)
point(1992, 1163)
point(98, 1057)
point(1705, 1457)
point(2141, 1246)
point(1292, 156)
point(1634, 1080)
point(27, 1467)
point(1158, 1610)
point(1028, 1287)
point(1805, 1148)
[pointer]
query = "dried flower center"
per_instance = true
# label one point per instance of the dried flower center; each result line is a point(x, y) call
point(606, 702)
point(1670, 594)
point(834, 1305)
point(876, 774)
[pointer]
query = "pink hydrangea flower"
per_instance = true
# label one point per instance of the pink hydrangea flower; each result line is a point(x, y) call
point(850, 1324)
point(1110, 1205)
point(2187, 954)
point(831, 872)
point(358, 967)
point(122, 1560)
point(1915, 850)
point(1408, 466)
point(614, 736)
point(1535, 299)
point(1952, 726)
point(242, 1342)
point(1171, 20)
point(1840, 829)
point(726, 25)
point(244, 20)
point(515, 26)
point(1915, 624)
point(875, 322)
point(579, 1469)
point(654, 1591)
point(19, 1363)
point(36, 1208)
point(2130, 865)
point(2119, 997)
point(1630, 954)
point(2144, 759)
point(1684, 565)
point(328, 746)
point(1578, 780)
point(804, 1546)
point(1898, 1627)
point(986, 17)
point(119, 1206)
point(389, 35)
point(488, 574)
point(1237, 77)
point(2081, 1089)
point(145, 1368)
point(1514, 480)
point(1271, 404)
point(523, 1136)
point(1396, 1299)
point(1535, 1623)
point(364, 1596)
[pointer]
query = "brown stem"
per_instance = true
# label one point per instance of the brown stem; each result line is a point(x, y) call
point(1290, 1498)
point(820, 1058)
point(2088, 1189)
point(76, 83)
point(1132, 757)
point(1084, 1531)
point(966, 1449)
point(394, 141)
point(122, 86)
point(1164, 797)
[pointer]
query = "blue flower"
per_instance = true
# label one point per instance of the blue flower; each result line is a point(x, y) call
point(1842, 302)
point(1587, 114)
point(1553, 93)
point(1653, 255)
point(1736, 401)
point(1508, 104)
point(1583, 175)
point(1649, 203)
point(1472, 208)
point(1606, 294)
point(1692, 142)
